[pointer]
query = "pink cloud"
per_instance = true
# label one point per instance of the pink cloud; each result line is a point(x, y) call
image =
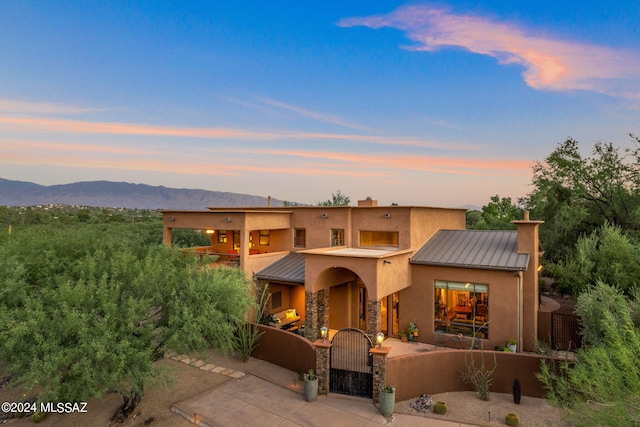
point(12, 106)
point(33, 124)
point(548, 63)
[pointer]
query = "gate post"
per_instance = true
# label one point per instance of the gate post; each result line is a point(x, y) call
point(322, 365)
point(379, 370)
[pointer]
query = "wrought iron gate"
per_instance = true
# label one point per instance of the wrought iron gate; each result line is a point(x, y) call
point(565, 332)
point(351, 363)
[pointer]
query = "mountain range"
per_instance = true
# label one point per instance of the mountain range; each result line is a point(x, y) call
point(122, 195)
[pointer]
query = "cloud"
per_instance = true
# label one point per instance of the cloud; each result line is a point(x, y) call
point(36, 124)
point(323, 117)
point(548, 63)
point(11, 106)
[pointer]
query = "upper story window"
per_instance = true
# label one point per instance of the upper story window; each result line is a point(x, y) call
point(337, 237)
point(222, 236)
point(300, 238)
point(264, 238)
point(379, 239)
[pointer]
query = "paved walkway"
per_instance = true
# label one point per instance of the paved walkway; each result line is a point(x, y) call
point(253, 401)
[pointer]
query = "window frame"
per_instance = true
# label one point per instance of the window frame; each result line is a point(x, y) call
point(299, 241)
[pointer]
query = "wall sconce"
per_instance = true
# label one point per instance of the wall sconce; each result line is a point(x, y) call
point(324, 216)
point(380, 339)
point(210, 231)
point(228, 219)
point(171, 218)
point(387, 215)
point(323, 333)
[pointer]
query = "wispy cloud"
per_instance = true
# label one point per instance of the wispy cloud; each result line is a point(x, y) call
point(548, 63)
point(23, 107)
point(323, 117)
point(37, 124)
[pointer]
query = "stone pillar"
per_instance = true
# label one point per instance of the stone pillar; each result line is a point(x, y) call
point(323, 355)
point(373, 319)
point(316, 305)
point(379, 370)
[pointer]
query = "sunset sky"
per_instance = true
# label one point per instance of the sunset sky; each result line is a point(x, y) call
point(417, 103)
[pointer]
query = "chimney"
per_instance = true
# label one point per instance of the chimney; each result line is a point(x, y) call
point(367, 203)
point(268, 201)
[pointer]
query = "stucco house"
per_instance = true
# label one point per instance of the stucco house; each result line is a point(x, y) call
point(378, 268)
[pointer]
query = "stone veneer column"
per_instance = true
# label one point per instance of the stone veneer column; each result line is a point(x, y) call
point(379, 369)
point(323, 355)
point(316, 306)
point(373, 319)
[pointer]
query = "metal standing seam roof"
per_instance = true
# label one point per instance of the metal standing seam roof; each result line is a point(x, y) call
point(288, 269)
point(487, 250)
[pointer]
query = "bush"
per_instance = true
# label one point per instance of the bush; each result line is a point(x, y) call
point(512, 420)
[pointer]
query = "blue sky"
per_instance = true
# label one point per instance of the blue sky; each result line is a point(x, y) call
point(417, 103)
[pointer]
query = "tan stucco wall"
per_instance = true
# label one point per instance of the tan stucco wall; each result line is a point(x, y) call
point(417, 302)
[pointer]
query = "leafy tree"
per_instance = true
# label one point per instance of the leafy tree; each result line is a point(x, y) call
point(86, 310)
point(602, 387)
point(573, 194)
point(606, 255)
point(496, 215)
point(337, 199)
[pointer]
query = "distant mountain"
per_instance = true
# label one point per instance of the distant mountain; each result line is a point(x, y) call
point(121, 195)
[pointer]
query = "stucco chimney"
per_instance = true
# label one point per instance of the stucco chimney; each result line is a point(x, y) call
point(269, 201)
point(367, 203)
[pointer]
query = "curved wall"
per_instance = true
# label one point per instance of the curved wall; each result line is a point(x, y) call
point(285, 349)
point(440, 371)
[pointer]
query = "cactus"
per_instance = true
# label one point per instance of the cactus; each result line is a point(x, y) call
point(440, 408)
point(517, 391)
point(512, 420)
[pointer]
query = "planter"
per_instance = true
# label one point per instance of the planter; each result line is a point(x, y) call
point(410, 337)
point(404, 338)
point(512, 347)
point(387, 402)
point(310, 389)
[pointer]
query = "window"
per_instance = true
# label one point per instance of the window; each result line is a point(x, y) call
point(264, 238)
point(299, 237)
point(222, 236)
point(462, 308)
point(276, 300)
point(337, 237)
point(388, 239)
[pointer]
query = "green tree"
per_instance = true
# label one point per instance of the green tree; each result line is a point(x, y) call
point(606, 255)
point(87, 310)
point(573, 194)
point(337, 199)
point(496, 215)
point(602, 386)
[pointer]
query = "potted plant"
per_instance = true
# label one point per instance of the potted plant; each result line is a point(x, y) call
point(310, 386)
point(512, 345)
point(403, 336)
point(412, 330)
point(387, 400)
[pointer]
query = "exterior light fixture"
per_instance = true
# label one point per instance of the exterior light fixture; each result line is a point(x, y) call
point(324, 216)
point(323, 333)
point(387, 215)
point(210, 231)
point(380, 339)
point(228, 219)
point(171, 218)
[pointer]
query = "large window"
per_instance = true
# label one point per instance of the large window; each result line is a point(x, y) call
point(300, 238)
point(462, 308)
point(264, 238)
point(379, 239)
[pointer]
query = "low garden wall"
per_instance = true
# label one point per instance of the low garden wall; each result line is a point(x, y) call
point(285, 349)
point(440, 372)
